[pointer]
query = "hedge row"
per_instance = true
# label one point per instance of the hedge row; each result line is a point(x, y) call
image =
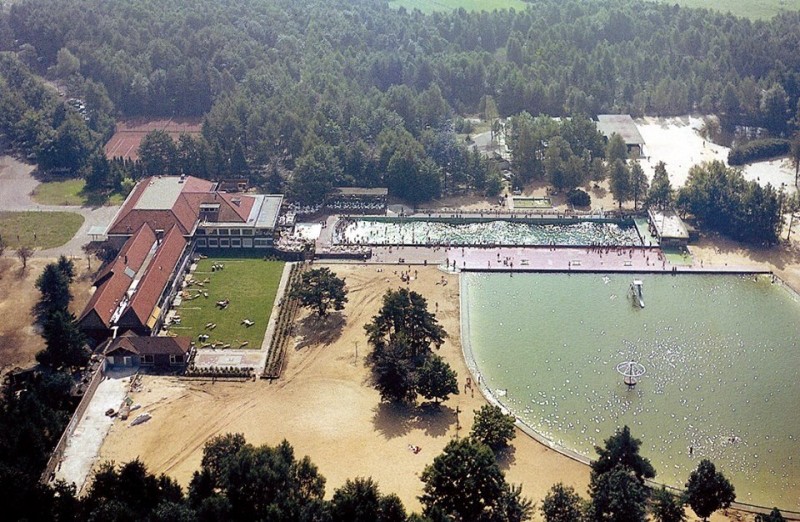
point(219, 372)
point(284, 327)
point(757, 150)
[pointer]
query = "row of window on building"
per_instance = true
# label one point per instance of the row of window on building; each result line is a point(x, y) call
point(233, 242)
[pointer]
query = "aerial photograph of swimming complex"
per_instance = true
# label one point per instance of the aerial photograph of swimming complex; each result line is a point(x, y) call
point(400, 260)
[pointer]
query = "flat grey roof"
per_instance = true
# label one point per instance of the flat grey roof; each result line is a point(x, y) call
point(621, 124)
point(160, 194)
point(269, 209)
point(668, 224)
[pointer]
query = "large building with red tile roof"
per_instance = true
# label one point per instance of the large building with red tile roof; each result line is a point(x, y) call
point(131, 290)
point(157, 352)
point(216, 219)
point(155, 228)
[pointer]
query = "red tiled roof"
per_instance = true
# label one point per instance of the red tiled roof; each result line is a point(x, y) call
point(183, 213)
point(150, 345)
point(192, 184)
point(155, 279)
point(242, 210)
point(112, 282)
point(229, 212)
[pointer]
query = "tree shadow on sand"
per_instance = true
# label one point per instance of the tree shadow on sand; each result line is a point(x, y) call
point(314, 330)
point(434, 419)
point(393, 420)
point(396, 420)
point(506, 457)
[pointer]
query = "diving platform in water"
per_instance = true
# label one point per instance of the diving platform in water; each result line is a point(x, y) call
point(637, 293)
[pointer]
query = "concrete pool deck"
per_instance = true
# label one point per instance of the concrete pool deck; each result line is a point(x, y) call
point(546, 259)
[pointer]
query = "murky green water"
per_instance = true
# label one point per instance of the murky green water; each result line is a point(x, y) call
point(722, 361)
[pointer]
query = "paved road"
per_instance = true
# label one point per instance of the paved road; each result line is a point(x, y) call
point(16, 185)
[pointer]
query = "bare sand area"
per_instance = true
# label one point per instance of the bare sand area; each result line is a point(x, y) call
point(325, 407)
point(678, 143)
point(19, 340)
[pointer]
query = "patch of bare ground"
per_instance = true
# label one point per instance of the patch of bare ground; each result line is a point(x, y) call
point(19, 338)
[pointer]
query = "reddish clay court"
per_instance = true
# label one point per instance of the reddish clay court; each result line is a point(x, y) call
point(125, 141)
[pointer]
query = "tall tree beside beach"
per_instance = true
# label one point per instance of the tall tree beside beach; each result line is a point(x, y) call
point(405, 314)
point(660, 195)
point(667, 507)
point(794, 153)
point(436, 380)
point(465, 483)
point(402, 336)
point(617, 479)
point(639, 184)
point(616, 149)
point(622, 448)
point(321, 290)
point(360, 500)
point(620, 181)
point(563, 504)
point(617, 496)
point(722, 200)
point(493, 427)
point(708, 490)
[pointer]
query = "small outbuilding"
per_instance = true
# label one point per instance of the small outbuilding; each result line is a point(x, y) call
point(622, 124)
point(162, 353)
point(668, 227)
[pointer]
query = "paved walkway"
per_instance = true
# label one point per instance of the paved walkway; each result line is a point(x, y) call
point(84, 444)
point(16, 185)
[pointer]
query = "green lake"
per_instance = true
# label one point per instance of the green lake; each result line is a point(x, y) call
point(720, 352)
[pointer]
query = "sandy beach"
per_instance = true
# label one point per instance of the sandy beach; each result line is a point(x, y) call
point(325, 407)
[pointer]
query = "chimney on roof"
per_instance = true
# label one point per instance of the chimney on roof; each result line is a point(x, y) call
point(126, 259)
point(182, 178)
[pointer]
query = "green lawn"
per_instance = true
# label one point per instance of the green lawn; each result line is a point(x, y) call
point(677, 256)
point(249, 284)
point(40, 230)
point(532, 203)
point(761, 9)
point(429, 6)
point(71, 192)
point(68, 192)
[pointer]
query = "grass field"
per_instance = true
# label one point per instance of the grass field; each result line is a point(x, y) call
point(70, 192)
point(40, 230)
point(429, 6)
point(761, 9)
point(249, 284)
point(532, 202)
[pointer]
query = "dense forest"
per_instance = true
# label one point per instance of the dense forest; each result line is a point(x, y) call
point(357, 93)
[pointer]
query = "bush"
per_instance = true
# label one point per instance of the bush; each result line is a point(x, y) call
point(757, 150)
point(578, 198)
